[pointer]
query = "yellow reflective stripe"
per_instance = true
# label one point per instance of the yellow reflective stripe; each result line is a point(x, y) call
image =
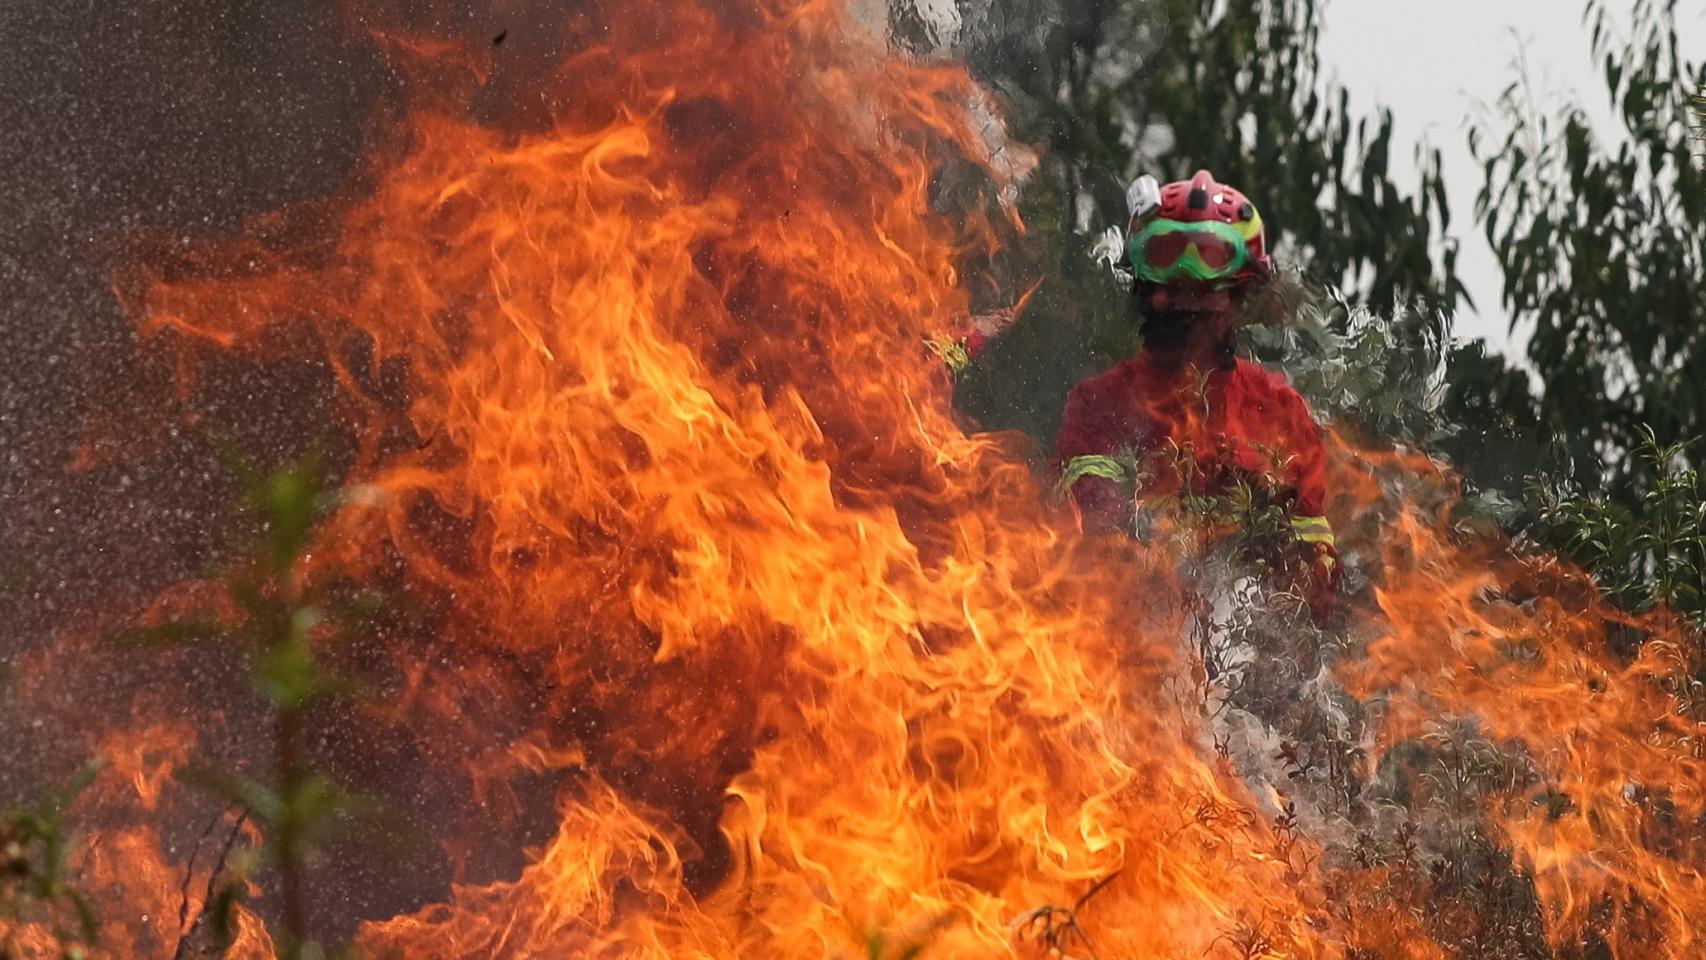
point(1094, 465)
point(1312, 529)
point(950, 351)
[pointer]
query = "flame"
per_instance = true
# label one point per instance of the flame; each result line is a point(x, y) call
point(639, 392)
point(664, 381)
point(1607, 815)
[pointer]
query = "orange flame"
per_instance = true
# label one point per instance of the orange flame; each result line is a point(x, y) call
point(640, 390)
point(663, 370)
point(1609, 813)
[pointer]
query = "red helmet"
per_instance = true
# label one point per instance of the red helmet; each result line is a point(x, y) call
point(1195, 232)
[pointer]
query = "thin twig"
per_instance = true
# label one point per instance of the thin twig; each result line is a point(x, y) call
point(212, 882)
point(1099, 886)
point(1058, 926)
point(189, 874)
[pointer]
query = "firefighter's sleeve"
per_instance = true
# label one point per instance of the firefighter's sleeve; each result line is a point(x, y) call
point(967, 337)
point(1309, 519)
point(1083, 440)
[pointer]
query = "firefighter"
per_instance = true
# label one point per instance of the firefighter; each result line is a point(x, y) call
point(1196, 250)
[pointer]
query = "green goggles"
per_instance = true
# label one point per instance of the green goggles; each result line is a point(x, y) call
point(1166, 251)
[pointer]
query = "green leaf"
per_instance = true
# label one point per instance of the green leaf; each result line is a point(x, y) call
point(286, 673)
point(88, 925)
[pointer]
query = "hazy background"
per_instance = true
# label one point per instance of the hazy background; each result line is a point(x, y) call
point(1435, 64)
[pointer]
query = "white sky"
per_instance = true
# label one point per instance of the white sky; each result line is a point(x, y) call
point(1434, 62)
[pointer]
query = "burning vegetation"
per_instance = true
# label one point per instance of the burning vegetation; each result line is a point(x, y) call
point(670, 609)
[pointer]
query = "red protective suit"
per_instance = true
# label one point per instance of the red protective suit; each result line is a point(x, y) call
point(1238, 420)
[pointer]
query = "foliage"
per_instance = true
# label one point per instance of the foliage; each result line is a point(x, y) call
point(1699, 103)
point(285, 608)
point(1400, 375)
point(33, 847)
point(1383, 373)
point(1603, 249)
point(1652, 554)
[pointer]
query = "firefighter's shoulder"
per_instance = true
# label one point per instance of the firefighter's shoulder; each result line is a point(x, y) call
point(1269, 386)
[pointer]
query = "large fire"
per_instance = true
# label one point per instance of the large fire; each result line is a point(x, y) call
point(705, 566)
